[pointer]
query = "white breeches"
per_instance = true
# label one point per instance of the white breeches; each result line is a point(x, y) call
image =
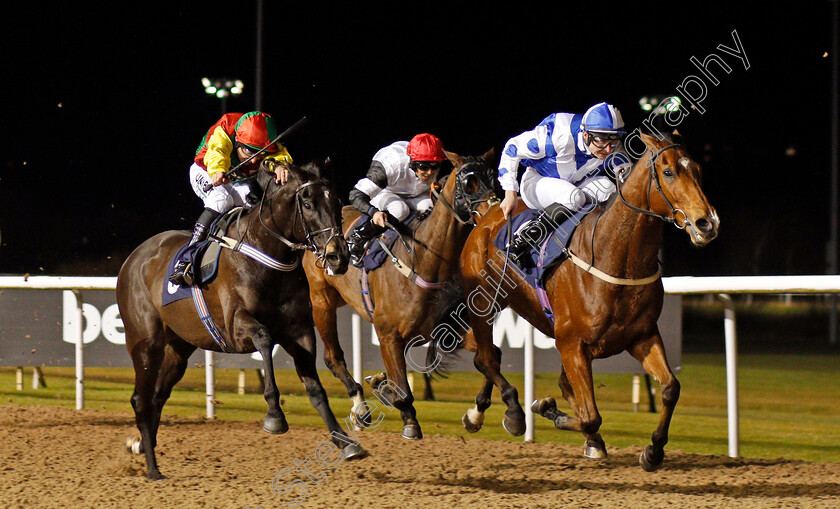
point(400, 207)
point(220, 198)
point(538, 192)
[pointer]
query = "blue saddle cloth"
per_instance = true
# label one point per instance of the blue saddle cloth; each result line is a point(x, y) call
point(204, 257)
point(376, 255)
point(551, 252)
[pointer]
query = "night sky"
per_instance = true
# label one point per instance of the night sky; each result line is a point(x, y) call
point(103, 108)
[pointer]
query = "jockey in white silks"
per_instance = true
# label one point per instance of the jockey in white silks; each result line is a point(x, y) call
point(569, 159)
point(398, 182)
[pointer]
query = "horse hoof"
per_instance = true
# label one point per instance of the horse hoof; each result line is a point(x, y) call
point(514, 427)
point(412, 432)
point(471, 426)
point(134, 445)
point(354, 452)
point(275, 425)
point(376, 380)
point(594, 450)
point(361, 417)
point(155, 475)
point(545, 407)
point(646, 465)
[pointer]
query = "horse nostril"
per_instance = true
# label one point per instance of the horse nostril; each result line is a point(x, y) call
point(704, 224)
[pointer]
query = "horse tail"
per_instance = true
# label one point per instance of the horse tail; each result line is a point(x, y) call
point(451, 323)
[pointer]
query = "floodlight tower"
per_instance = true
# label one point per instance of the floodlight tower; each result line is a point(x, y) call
point(222, 88)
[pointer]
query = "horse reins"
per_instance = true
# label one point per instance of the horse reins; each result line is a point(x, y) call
point(471, 203)
point(471, 206)
point(654, 179)
point(259, 256)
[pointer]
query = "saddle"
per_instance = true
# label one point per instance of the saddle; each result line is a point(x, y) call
point(550, 253)
point(376, 253)
point(202, 256)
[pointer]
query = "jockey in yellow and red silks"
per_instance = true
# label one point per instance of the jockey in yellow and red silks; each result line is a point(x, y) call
point(232, 139)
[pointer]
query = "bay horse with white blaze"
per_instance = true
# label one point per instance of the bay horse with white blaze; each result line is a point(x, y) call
point(254, 306)
point(607, 304)
point(403, 306)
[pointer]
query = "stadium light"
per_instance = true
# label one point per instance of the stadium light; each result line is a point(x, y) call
point(222, 88)
point(660, 104)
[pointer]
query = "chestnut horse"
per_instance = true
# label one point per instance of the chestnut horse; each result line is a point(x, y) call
point(608, 304)
point(402, 308)
point(254, 306)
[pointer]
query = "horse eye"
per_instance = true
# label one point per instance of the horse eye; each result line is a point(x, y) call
point(668, 173)
point(307, 205)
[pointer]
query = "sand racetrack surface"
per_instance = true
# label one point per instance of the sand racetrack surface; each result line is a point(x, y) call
point(59, 457)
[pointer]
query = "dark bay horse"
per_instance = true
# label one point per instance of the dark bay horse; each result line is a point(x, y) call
point(402, 308)
point(608, 304)
point(254, 307)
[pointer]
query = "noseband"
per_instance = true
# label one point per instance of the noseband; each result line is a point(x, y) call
point(654, 177)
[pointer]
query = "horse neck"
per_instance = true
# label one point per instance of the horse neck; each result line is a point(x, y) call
point(627, 242)
point(439, 239)
point(277, 215)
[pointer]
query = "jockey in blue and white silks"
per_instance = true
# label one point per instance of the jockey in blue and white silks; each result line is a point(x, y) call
point(570, 162)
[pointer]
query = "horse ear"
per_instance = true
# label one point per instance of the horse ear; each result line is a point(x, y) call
point(676, 136)
point(490, 155)
point(454, 158)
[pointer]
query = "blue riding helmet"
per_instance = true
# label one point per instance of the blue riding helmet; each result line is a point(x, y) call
point(603, 119)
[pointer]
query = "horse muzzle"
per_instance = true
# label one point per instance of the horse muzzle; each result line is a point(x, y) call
point(336, 257)
point(703, 229)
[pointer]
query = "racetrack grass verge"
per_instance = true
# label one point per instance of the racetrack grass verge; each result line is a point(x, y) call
point(789, 404)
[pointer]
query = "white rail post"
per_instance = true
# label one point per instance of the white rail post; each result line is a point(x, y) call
point(529, 384)
point(357, 347)
point(731, 340)
point(636, 394)
point(209, 379)
point(80, 355)
point(19, 378)
point(240, 388)
point(38, 380)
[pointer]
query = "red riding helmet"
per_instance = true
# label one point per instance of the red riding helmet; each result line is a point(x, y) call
point(256, 130)
point(426, 147)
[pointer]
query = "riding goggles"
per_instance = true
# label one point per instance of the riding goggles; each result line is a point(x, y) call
point(604, 140)
point(425, 165)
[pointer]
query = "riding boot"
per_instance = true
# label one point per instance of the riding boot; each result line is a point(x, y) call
point(358, 239)
point(534, 232)
point(181, 274)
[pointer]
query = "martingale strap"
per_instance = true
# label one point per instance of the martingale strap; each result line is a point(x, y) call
point(408, 272)
point(207, 320)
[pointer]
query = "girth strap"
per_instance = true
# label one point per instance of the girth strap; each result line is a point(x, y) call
point(207, 320)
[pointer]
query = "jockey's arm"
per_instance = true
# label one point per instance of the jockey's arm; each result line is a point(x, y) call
point(373, 183)
point(217, 158)
point(279, 162)
point(528, 145)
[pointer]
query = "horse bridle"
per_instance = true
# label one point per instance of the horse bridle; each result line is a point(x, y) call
point(470, 201)
point(309, 245)
point(654, 178)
